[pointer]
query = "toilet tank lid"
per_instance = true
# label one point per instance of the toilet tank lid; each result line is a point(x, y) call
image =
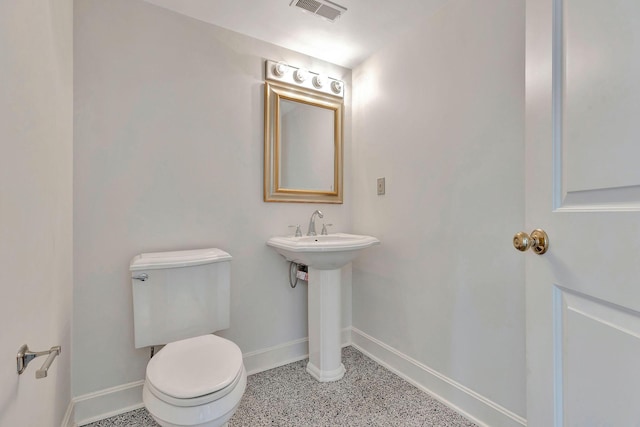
point(155, 260)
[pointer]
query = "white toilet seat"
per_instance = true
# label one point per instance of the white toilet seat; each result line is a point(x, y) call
point(194, 401)
point(195, 367)
point(195, 382)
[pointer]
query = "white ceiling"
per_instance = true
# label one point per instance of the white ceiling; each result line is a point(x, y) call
point(366, 26)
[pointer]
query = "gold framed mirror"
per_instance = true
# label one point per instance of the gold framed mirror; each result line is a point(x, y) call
point(302, 145)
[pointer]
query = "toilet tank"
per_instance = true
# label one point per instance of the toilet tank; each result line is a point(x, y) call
point(178, 295)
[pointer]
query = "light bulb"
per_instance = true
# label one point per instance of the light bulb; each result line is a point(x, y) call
point(336, 86)
point(300, 75)
point(279, 69)
point(318, 81)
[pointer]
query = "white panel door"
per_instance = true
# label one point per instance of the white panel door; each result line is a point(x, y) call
point(583, 189)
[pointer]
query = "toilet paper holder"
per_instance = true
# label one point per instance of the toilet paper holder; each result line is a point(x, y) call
point(25, 356)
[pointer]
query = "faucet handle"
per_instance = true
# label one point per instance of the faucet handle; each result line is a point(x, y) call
point(298, 231)
point(324, 229)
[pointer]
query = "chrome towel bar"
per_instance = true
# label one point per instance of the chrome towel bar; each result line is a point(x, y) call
point(25, 356)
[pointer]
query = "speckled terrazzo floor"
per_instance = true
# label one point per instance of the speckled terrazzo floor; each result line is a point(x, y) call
point(368, 395)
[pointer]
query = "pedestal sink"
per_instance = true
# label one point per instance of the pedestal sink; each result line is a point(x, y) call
point(325, 256)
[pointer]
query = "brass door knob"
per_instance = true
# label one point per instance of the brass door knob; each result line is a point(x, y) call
point(538, 241)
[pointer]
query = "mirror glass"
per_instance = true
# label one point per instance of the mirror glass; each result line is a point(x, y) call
point(306, 146)
point(303, 145)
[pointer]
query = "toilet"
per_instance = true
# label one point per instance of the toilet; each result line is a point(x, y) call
point(179, 299)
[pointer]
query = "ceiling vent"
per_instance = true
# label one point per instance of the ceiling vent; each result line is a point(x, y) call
point(323, 8)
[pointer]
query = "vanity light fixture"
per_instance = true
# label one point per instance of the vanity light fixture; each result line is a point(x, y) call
point(300, 77)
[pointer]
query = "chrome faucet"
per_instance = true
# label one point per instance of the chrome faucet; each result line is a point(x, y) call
point(312, 223)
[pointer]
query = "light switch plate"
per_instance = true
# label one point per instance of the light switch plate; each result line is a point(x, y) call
point(380, 186)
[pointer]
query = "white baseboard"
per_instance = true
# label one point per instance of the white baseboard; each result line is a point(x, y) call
point(472, 405)
point(113, 401)
point(283, 354)
point(272, 357)
point(67, 421)
point(107, 403)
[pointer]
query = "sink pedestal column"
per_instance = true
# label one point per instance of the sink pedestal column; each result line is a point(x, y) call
point(325, 351)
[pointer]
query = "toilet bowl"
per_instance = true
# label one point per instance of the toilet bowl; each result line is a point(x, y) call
point(195, 382)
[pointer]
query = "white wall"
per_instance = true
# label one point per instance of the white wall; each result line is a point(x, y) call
point(439, 113)
point(35, 206)
point(168, 155)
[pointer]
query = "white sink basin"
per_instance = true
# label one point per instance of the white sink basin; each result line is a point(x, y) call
point(328, 252)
